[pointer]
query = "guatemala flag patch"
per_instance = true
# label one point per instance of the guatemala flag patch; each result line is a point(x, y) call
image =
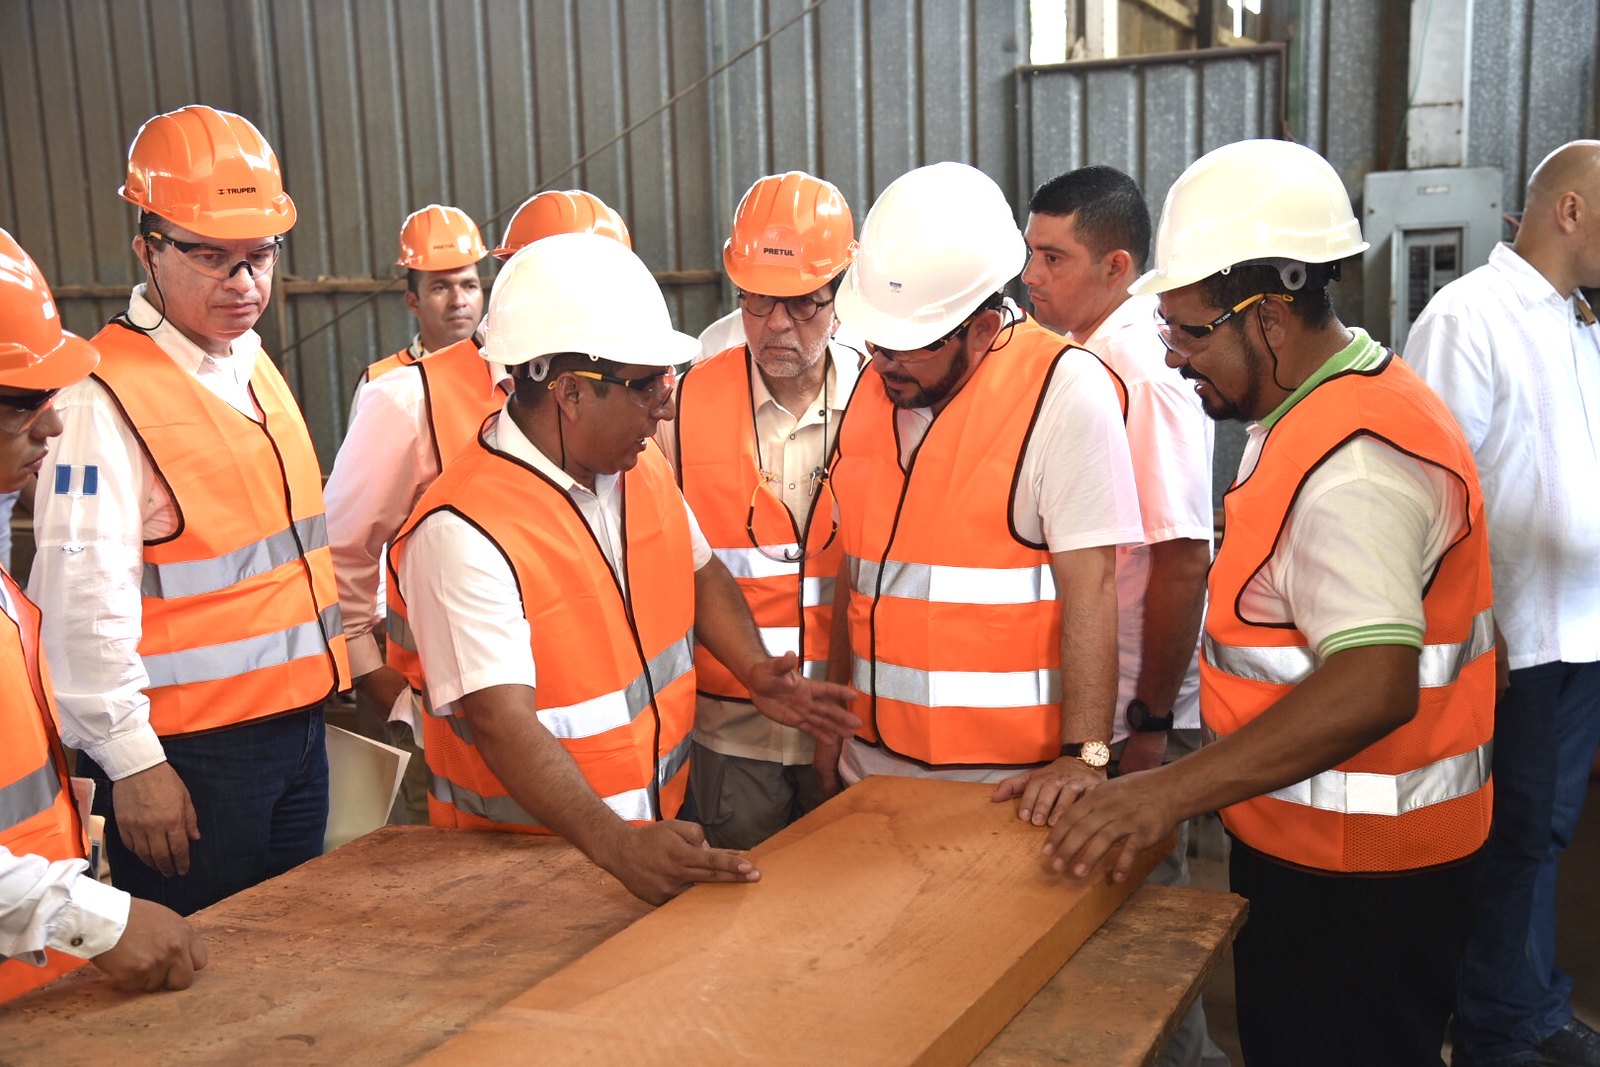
point(77, 481)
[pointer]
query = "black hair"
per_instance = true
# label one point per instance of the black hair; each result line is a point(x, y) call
point(1109, 208)
point(532, 393)
point(1312, 305)
point(414, 281)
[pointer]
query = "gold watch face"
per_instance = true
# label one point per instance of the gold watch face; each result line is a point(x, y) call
point(1096, 754)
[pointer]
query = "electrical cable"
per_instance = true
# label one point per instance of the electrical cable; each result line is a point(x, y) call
point(549, 179)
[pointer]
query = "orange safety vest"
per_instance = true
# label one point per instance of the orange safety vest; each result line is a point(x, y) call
point(37, 814)
point(1421, 795)
point(403, 358)
point(954, 623)
point(458, 393)
point(616, 672)
point(719, 470)
point(240, 615)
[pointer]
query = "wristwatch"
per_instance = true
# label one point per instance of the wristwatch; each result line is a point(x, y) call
point(1094, 754)
point(1141, 720)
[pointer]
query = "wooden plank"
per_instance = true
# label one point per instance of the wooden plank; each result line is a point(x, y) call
point(1119, 999)
point(390, 946)
point(372, 954)
point(905, 922)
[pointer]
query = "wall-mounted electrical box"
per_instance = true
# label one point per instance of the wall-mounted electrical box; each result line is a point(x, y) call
point(1426, 228)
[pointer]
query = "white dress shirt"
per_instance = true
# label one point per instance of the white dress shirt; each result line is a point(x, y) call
point(1520, 370)
point(91, 531)
point(53, 905)
point(462, 598)
point(793, 447)
point(386, 463)
point(1076, 490)
point(1170, 438)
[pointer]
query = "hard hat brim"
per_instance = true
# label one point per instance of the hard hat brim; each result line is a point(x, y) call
point(891, 331)
point(669, 349)
point(69, 362)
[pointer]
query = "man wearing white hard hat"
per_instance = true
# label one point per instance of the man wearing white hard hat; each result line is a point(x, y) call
point(553, 582)
point(1348, 663)
point(984, 482)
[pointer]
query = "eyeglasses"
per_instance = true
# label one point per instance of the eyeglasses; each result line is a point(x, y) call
point(800, 308)
point(1164, 328)
point(222, 263)
point(644, 384)
point(794, 552)
point(926, 352)
point(19, 411)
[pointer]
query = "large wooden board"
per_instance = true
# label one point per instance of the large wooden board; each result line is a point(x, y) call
point(372, 954)
point(906, 922)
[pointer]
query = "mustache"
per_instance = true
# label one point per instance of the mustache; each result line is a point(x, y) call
point(1188, 374)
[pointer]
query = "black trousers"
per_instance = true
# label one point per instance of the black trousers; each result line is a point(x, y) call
point(1346, 970)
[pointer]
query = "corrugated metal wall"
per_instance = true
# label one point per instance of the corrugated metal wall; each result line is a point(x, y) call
point(1150, 117)
point(377, 107)
point(1533, 84)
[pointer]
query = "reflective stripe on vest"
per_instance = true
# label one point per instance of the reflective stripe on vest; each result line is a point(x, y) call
point(214, 662)
point(1438, 665)
point(1362, 793)
point(29, 795)
point(632, 805)
point(171, 580)
point(952, 585)
point(611, 710)
point(956, 689)
point(399, 630)
point(751, 563)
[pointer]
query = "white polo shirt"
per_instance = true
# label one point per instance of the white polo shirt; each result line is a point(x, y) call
point(1520, 369)
point(461, 597)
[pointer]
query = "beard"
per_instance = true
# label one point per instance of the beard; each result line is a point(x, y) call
point(926, 396)
point(1222, 408)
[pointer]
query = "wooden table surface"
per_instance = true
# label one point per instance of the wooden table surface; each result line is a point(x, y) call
point(383, 950)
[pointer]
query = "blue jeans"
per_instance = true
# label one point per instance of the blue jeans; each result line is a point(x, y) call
point(260, 793)
point(1547, 727)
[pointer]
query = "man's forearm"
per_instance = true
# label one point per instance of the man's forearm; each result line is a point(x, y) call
point(1357, 697)
point(538, 773)
point(722, 620)
point(1174, 603)
point(1085, 582)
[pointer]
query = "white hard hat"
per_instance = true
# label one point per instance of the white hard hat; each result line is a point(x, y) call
point(580, 292)
point(1247, 202)
point(938, 243)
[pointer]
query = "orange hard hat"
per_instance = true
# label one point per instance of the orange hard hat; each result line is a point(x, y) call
point(561, 211)
point(440, 238)
point(209, 171)
point(35, 352)
point(792, 234)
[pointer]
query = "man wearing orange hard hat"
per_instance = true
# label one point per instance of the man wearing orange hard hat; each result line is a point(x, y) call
point(54, 915)
point(756, 427)
point(409, 423)
point(190, 611)
point(440, 248)
point(561, 211)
